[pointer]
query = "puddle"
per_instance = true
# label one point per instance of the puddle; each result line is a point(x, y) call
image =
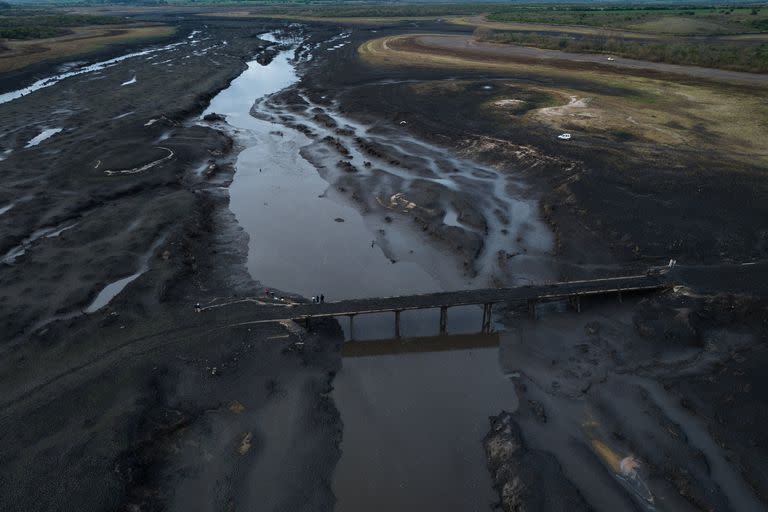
point(123, 115)
point(6, 208)
point(52, 232)
point(98, 66)
point(111, 290)
point(45, 134)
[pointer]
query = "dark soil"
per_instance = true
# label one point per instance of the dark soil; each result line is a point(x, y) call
point(140, 406)
point(690, 205)
point(145, 405)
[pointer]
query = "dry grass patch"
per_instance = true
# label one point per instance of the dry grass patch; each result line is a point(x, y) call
point(83, 40)
point(341, 20)
point(724, 119)
point(483, 22)
point(682, 25)
point(652, 30)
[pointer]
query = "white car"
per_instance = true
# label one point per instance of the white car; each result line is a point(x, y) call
point(611, 59)
point(564, 136)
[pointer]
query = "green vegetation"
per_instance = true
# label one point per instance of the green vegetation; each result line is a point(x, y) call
point(372, 10)
point(737, 57)
point(698, 20)
point(692, 20)
point(48, 25)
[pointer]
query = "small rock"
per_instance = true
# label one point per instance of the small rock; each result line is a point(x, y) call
point(339, 219)
point(236, 407)
point(245, 444)
point(213, 117)
point(538, 410)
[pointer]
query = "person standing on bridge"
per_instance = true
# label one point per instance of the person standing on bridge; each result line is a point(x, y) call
point(322, 298)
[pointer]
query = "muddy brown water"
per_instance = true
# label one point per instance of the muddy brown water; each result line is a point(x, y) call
point(415, 412)
point(413, 422)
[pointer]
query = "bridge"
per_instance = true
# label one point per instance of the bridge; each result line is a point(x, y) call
point(573, 291)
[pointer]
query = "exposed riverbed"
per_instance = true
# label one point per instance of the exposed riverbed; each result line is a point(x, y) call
point(649, 404)
point(307, 237)
point(336, 206)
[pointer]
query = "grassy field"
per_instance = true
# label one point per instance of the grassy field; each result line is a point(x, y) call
point(633, 32)
point(29, 25)
point(82, 40)
point(733, 55)
point(343, 20)
point(646, 112)
point(32, 35)
point(661, 20)
point(641, 19)
point(388, 11)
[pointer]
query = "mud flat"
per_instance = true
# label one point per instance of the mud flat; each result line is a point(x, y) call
point(592, 450)
point(127, 382)
point(621, 121)
point(288, 173)
point(158, 408)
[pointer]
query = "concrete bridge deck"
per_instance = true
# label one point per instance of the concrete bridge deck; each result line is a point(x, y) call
point(253, 311)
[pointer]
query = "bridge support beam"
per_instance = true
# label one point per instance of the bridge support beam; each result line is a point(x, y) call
point(620, 299)
point(487, 310)
point(351, 327)
point(397, 324)
point(532, 308)
point(443, 319)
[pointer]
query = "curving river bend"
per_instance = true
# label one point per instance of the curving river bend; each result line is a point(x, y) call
point(413, 423)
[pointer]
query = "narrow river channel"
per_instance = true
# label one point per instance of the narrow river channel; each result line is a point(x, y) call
point(413, 422)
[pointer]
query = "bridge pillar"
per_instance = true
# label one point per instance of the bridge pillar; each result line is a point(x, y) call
point(397, 324)
point(306, 323)
point(487, 310)
point(532, 308)
point(578, 303)
point(443, 319)
point(351, 327)
point(620, 300)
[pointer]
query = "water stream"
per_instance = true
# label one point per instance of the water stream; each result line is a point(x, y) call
point(43, 135)
point(300, 239)
point(414, 422)
point(112, 289)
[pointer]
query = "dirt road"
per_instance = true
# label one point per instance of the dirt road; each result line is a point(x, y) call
point(468, 46)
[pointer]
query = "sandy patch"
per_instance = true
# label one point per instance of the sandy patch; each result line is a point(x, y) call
point(574, 108)
point(507, 103)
